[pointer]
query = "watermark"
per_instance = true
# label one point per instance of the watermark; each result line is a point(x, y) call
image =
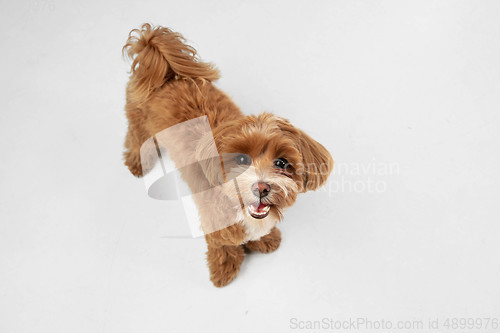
point(383, 324)
point(217, 189)
point(361, 177)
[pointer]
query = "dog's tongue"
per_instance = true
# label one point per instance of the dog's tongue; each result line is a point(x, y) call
point(259, 207)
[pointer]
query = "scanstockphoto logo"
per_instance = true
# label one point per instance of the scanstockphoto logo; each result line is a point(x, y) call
point(361, 177)
point(356, 324)
point(435, 324)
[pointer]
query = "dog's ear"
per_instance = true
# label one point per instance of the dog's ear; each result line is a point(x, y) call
point(317, 163)
point(209, 160)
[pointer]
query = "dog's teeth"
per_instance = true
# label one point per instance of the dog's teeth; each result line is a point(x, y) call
point(256, 212)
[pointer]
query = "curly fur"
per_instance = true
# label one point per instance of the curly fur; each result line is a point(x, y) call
point(170, 85)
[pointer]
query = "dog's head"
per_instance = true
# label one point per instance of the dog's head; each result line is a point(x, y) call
point(271, 161)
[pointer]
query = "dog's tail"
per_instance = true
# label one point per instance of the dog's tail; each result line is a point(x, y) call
point(159, 55)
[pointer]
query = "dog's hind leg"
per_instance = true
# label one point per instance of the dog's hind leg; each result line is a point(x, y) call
point(136, 136)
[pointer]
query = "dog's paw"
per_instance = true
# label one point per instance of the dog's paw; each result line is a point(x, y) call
point(224, 264)
point(136, 170)
point(227, 272)
point(133, 163)
point(267, 243)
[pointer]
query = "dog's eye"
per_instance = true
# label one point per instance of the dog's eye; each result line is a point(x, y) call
point(281, 163)
point(243, 159)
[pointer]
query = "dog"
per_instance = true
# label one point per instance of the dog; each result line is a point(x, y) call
point(169, 85)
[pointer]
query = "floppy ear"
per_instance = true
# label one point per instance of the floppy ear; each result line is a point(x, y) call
point(209, 160)
point(317, 163)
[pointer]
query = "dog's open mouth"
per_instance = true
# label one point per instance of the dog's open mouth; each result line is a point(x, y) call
point(259, 210)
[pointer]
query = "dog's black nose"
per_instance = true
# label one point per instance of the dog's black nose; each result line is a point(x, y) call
point(261, 189)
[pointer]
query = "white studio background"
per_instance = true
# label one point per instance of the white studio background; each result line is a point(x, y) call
point(413, 85)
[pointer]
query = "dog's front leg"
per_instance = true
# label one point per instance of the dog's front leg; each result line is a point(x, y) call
point(224, 263)
point(267, 243)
